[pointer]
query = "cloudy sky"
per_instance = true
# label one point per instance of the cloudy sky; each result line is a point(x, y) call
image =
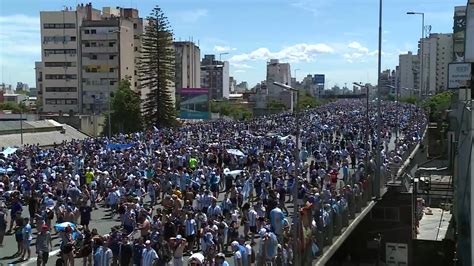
point(336, 38)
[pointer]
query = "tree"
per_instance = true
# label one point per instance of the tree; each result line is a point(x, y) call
point(126, 115)
point(408, 99)
point(437, 105)
point(156, 70)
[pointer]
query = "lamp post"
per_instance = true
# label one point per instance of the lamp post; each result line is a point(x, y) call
point(379, 112)
point(21, 120)
point(367, 121)
point(296, 221)
point(220, 55)
point(421, 47)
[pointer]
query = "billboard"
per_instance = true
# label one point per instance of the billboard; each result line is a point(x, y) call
point(459, 75)
point(194, 103)
point(318, 79)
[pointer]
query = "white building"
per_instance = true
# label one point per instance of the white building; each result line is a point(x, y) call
point(437, 54)
point(409, 74)
point(85, 53)
point(277, 72)
point(188, 65)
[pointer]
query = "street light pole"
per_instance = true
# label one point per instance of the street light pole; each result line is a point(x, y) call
point(220, 55)
point(379, 111)
point(296, 221)
point(421, 47)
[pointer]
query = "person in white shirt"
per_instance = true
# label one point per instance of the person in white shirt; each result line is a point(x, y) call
point(252, 220)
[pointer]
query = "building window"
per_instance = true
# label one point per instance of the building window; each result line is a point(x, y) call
point(86, 31)
point(135, 25)
point(60, 76)
point(136, 48)
point(59, 64)
point(61, 89)
point(59, 25)
point(111, 44)
point(73, 38)
point(94, 57)
point(112, 82)
point(93, 32)
point(111, 57)
point(87, 44)
point(111, 70)
point(48, 52)
point(53, 101)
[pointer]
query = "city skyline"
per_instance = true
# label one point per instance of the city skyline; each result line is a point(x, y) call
point(320, 37)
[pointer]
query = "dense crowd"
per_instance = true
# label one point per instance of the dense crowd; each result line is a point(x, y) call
point(205, 191)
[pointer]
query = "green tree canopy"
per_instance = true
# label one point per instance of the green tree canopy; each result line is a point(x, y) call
point(126, 114)
point(156, 71)
point(437, 105)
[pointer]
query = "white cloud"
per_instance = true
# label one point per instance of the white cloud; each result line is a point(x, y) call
point(296, 53)
point(223, 49)
point(357, 46)
point(240, 71)
point(358, 52)
point(20, 47)
point(240, 65)
point(192, 16)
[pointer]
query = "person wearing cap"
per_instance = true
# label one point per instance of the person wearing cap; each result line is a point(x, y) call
point(240, 254)
point(43, 245)
point(178, 244)
point(149, 255)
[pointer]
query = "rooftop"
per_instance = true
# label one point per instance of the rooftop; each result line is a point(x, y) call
point(434, 226)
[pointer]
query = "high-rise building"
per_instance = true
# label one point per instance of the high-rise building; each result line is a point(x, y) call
point(436, 56)
point(215, 77)
point(459, 28)
point(277, 72)
point(409, 67)
point(85, 53)
point(188, 65)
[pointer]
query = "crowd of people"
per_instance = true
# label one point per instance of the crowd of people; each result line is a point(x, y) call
point(214, 193)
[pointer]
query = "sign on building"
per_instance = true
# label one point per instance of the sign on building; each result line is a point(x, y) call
point(318, 79)
point(194, 103)
point(459, 75)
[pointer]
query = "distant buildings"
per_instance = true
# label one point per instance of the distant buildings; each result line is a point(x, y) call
point(188, 65)
point(436, 56)
point(279, 72)
point(409, 69)
point(84, 54)
point(215, 77)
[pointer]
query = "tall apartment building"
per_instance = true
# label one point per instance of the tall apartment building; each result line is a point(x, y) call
point(437, 54)
point(215, 76)
point(277, 72)
point(459, 31)
point(188, 65)
point(409, 67)
point(85, 53)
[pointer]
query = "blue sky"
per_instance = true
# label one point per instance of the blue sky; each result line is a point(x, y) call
point(336, 38)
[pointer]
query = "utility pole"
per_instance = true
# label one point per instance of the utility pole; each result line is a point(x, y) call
point(379, 111)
